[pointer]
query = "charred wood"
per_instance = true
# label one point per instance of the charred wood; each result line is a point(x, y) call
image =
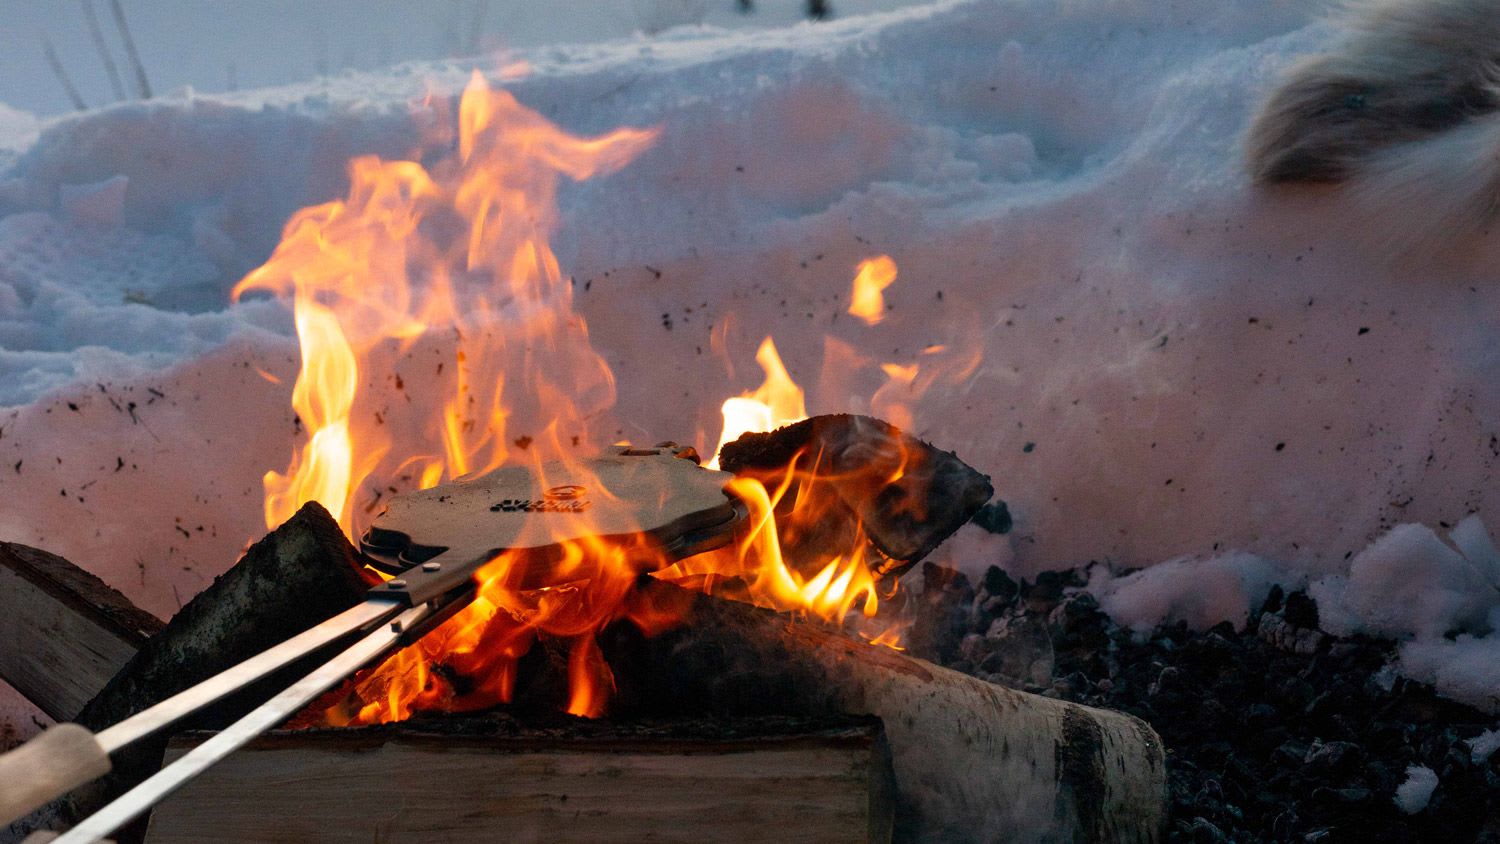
point(859, 471)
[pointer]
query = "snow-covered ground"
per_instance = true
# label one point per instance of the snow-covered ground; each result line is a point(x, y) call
point(1176, 367)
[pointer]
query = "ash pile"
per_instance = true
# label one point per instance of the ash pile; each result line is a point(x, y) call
point(1277, 732)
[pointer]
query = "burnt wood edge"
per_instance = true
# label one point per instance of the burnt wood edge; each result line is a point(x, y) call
point(81, 591)
point(967, 487)
point(698, 735)
point(775, 449)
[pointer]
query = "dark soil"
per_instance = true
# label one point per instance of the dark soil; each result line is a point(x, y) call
point(1277, 732)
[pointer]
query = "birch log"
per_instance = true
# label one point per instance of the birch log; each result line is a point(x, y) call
point(973, 761)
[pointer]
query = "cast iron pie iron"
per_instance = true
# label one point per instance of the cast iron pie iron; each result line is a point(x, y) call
point(656, 502)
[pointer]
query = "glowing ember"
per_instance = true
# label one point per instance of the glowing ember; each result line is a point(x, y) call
point(874, 276)
point(434, 322)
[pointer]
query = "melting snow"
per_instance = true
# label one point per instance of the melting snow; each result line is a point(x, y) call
point(1484, 745)
point(1413, 795)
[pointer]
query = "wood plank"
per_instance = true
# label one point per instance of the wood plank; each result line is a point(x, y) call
point(65, 632)
point(679, 783)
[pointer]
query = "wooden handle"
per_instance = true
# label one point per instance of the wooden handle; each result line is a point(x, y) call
point(45, 836)
point(47, 767)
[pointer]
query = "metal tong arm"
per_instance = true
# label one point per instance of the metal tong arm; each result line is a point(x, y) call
point(66, 756)
point(407, 626)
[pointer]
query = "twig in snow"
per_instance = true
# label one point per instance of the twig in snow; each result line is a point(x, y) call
point(62, 74)
point(143, 87)
point(103, 49)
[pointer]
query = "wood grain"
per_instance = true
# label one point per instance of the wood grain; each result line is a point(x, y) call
point(65, 632)
point(402, 785)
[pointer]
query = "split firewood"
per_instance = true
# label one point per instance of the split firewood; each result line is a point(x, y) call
point(857, 472)
point(299, 575)
point(548, 778)
point(65, 632)
point(973, 761)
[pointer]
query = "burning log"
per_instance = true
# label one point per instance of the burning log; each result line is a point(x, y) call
point(66, 632)
point(297, 576)
point(973, 761)
point(553, 778)
point(859, 472)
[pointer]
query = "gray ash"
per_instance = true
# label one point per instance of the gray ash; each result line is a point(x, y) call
point(1279, 732)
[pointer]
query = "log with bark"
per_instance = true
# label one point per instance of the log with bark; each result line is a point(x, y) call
point(973, 761)
point(545, 778)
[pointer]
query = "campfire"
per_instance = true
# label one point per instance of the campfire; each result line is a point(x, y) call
point(519, 561)
point(447, 270)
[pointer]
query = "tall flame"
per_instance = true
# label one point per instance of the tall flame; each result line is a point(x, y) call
point(445, 275)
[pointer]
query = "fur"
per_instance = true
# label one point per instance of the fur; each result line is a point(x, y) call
point(1407, 70)
point(1404, 113)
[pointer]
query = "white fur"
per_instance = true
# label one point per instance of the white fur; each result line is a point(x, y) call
point(1425, 196)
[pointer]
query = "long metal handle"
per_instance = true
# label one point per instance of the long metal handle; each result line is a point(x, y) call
point(267, 715)
point(231, 680)
point(48, 767)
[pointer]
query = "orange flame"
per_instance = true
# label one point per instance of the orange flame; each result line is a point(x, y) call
point(438, 339)
point(446, 276)
point(776, 402)
point(867, 300)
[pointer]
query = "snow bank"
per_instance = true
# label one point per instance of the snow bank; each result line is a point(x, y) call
point(1174, 366)
point(1466, 668)
point(221, 45)
point(1440, 600)
point(18, 130)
